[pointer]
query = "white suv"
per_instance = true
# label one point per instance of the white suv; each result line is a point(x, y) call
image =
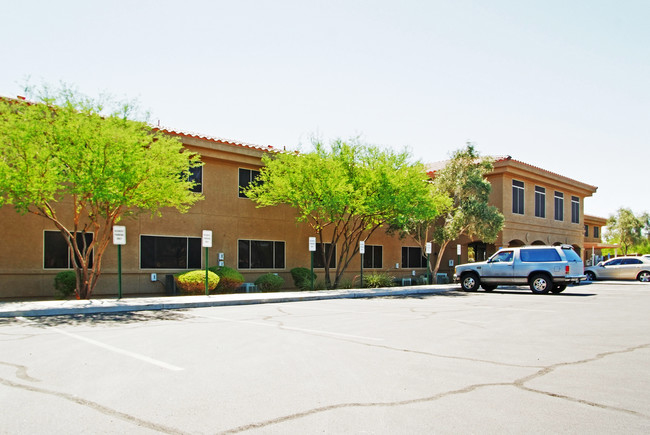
point(543, 268)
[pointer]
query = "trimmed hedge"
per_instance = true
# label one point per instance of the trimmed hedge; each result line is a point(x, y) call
point(65, 284)
point(269, 282)
point(229, 278)
point(193, 282)
point(378, 279)
point(302, 277)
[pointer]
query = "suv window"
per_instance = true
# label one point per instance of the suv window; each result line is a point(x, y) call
point(539, 255)
point(571, 255)
point(501, 257)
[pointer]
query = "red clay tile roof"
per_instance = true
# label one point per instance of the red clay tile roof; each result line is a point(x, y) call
point(215, 139)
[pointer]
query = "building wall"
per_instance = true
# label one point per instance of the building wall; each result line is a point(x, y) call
point(230, 218)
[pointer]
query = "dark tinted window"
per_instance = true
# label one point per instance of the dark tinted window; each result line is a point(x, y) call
point(631, 261)
point(613, 262)
point(260, 254)
point(56, 254)
point(159, 252)
point(372, 259)
point(196, 176)
point(246, 176)
point(412, 257)
point(319, 260)
point(539, 255)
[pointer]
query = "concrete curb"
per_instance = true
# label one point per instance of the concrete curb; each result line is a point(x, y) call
point(98, 306)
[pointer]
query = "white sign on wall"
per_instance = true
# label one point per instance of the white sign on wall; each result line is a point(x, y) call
point(312, 244)
point(206, 239)
point(119, 235)
point(428, 248)
point(362, 247)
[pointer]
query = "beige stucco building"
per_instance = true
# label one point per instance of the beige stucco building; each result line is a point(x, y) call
point(540, 207)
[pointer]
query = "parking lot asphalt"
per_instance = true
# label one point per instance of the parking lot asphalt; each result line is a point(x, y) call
point(112, 305)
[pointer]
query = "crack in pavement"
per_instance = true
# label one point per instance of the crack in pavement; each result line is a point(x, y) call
point(21, 372)
point(95, 406)
point(518, 383)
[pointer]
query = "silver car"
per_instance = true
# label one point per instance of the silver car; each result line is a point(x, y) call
point(620, 268)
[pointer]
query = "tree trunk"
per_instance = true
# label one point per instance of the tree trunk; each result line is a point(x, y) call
point(439, 260)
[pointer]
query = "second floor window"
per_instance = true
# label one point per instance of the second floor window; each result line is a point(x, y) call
point(559, 206)
point(196, 175)
point(540, 201)
point(517, 197)
point(575, 210)
point(596, 232)
point(246, 177)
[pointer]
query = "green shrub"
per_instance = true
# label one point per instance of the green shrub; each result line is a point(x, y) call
point(193, 282)
point(269, 282)
point(378, 279)
point(229, 278)
point(348, 283)
point(302, 277)
point(65, 283)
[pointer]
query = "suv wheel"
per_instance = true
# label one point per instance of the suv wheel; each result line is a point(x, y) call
point(644, 276)
point(540, 283)
point(469, 282)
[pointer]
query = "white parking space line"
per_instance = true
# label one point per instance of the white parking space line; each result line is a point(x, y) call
point(373, 313)
point(107, 346)
point(290, 328)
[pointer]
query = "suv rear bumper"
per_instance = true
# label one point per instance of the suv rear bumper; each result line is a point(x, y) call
point(575, 278)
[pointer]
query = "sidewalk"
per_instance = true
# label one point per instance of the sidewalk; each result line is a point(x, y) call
point(94, 306)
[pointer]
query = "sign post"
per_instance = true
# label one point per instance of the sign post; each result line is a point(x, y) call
point(312, 249)
point(362, 251)
point(458, 249)
point(119, 239)
point(206, 242)
point(428, 252)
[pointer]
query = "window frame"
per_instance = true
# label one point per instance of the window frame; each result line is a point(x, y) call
point(518, 197)
point(409, 264)
point(319, 260)
point(68, 255)
point(196, 174)
point(253, 174)
point(540, 202)
point(371, 258)
point(575, 210)
point(559, 205)
point(278, 262)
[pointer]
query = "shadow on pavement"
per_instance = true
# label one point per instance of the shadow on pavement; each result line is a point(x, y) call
point(102, 319)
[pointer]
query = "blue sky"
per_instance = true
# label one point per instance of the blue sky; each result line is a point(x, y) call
point(563, 85)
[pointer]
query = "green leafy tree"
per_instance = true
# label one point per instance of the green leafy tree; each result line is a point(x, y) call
point(463, 181)
point(345, 192)
point(65, 159)
point(625, 229)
